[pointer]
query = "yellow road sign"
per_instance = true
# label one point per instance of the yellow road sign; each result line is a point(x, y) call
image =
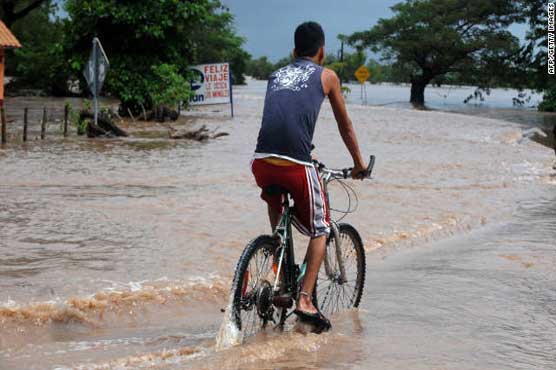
point(362, 74)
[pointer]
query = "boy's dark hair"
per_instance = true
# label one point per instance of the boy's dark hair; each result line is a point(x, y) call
point(309, 38)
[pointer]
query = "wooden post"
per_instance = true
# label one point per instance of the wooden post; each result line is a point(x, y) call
point(66, 115)
point(3, 118)
point(230, 81)
point(43, 124)
point(25, 122)
point(2, 112)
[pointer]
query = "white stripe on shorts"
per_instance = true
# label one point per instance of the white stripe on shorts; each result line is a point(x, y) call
point(318, 216)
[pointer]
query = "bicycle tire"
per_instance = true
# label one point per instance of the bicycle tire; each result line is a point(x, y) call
point(248, 294)
point(329, 292)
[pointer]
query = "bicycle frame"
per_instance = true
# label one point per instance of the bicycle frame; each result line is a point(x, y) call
point(283, 231)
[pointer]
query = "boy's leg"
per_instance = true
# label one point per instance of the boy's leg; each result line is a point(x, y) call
point(314, 258)
point(265, 175)
point(312, 219)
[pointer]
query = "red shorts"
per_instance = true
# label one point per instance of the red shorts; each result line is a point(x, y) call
point(311, 214)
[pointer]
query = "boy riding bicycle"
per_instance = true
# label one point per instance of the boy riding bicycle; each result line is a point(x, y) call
point(283, 154)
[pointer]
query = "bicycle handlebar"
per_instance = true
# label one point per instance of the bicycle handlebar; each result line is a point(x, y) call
point(346, 172)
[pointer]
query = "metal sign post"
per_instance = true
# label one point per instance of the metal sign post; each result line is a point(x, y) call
point(95, 72)
point(95, 80)
point(231, 96)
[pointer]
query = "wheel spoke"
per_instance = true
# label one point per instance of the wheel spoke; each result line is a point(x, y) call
point(255, 309)
point(333, 294)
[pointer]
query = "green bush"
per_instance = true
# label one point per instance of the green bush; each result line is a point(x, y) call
point(169, 88)
point(260, 69)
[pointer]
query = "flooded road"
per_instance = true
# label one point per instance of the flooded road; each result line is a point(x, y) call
point(483, 301)
point(487, 301)
point(120, 253)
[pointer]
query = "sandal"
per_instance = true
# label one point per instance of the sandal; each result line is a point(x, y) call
point(317, 320)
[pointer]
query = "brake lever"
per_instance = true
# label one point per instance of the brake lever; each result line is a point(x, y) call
point(370, 166)
point(347, 172)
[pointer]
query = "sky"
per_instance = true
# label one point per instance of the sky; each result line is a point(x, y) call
point(268, 25)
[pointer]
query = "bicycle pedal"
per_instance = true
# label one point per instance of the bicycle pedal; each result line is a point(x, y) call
point(284, 301)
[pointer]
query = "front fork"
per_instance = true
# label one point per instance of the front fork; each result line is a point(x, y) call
point(335, 234)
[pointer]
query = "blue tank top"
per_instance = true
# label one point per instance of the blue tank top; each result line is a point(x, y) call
point(293, 99)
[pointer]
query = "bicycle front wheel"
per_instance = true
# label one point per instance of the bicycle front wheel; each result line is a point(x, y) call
point(342, 275)
point(252, 288)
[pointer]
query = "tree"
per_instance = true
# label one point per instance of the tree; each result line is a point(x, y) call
point(12, 10)
point(429, 38)
point(378, 71)
point(352, 61)
point(260, 69)
point(346, 69)
point(140, 35)
point(283, 62)
point(534, 56)
point(217, 42)
point(40, 64)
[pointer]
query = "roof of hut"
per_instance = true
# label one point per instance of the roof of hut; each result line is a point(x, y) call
point(7, 39)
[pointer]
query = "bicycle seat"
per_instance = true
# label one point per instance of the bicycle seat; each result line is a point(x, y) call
point(274, 190)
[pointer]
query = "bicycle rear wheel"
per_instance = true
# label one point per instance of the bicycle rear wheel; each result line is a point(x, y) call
point(333, 293)
point(252, 288)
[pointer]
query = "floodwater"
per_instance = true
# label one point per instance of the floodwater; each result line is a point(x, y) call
point(498, 104)
point(119, 253)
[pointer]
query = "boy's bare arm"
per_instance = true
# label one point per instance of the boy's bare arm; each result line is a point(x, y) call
point(331, 86)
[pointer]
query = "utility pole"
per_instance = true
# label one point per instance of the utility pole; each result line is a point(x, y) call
point(342, 61)
point(342, 39)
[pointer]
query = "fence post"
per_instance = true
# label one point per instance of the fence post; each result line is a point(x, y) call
point(25, 114)
point(66, 115)
point(43, 124)
point(3, 114)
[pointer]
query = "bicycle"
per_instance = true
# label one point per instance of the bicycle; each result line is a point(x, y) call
point(267, 280)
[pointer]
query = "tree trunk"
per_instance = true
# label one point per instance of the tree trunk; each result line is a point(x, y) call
point(418, 86)
point(106, 127)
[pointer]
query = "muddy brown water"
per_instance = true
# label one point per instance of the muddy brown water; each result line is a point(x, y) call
point(119, 253)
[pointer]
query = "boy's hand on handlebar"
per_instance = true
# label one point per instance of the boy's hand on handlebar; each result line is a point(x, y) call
point(359, 171)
